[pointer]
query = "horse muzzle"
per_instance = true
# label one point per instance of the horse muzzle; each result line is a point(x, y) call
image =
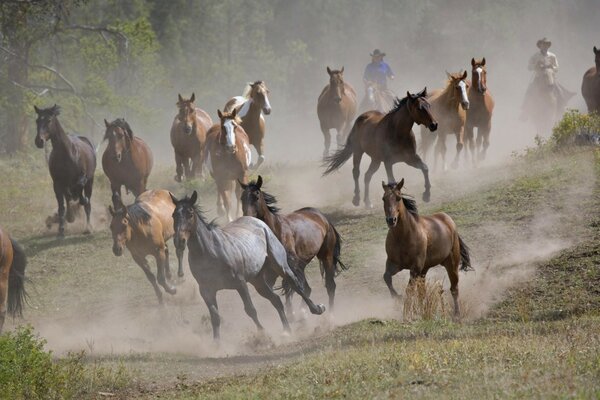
point(117, 250)
point(179, 244)
point(230, 149)
point(391, 221)
point(187, 129)
point(433, 126)
point(39, 142)
point(267, 110)
point(465, 105)
point(118, 157)
point(338, 99)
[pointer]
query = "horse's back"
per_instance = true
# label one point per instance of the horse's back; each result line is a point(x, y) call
point(146, 152)
point(87, 153)
point(590, 89)
point(205, 120)
point(233, 103)
point(6, 253)
point(309, 226)
point(160, 206)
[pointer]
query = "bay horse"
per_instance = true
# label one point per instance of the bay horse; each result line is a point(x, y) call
point(336, 108)
point(72, 163)
point(12, 277)
point(241, 252)
point(418, 243)
point(227, 158)
point(590, 86)
point(479, 114)
point(305, 233)
point(386, 138)
point(449, 106)
point(188, 134)
point(144, 227)
point(250, 107)
point(127, 160)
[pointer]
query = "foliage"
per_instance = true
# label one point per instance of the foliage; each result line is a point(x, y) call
point(575, 123)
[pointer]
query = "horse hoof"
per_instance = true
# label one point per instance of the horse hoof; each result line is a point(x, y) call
point(356, 201)
point(177, 178)
point(180, 274)
point(368, 205)
point(319, 309)
point(171, 290)
point(87, 231)
point(426, 197)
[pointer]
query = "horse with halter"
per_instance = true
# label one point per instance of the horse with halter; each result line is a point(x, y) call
point(72, 163)
point(590, 86)
point(244, 251)
point(376, 98)
point(12, 277)
point(479, 114)
point(336, 108)
point(386, 138)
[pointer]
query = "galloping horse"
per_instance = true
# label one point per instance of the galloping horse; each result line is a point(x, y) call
point(72, 163)
point(305, 233)
point(450, 107)
point(127, 160)
point(590, 86)
point(418, 243)
point(250, 107)
point(188, 134)
point(376, 98)
point(227, 157)
point(480, 111)
point(12, 277)
point(386, 138)
point(242, 252)
point(336, 108)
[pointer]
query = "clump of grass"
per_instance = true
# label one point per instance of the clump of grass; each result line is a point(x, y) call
point(425, 300)
point(574, 123)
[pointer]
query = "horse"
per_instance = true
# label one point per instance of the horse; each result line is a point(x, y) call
point(386, 138)
point(418, 243)
point(450, 107)
point(250, 107)
point(72, 163)
point(336, 108)
point(305, 233)
point(12, 277)
point(242, 252)
point(376, 98)
point(127, 160)
point(590, 86)
point(188, 134)
point(144, 227)
point(227, 157)
point(479, 114)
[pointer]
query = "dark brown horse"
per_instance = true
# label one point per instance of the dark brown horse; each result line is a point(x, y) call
point(250, 107)
point(480, 111)
point(590, 87)
point(188, 134)
point(72, 163)
point(127, 160)
point(336, 108)
point(305, 233)
point(12, 277)
point(386, 138)
point(418, 243)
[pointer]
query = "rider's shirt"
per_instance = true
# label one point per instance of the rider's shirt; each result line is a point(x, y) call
point(378, 72)
point(539, 62)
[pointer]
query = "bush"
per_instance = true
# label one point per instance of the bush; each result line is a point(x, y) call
point(574, 123)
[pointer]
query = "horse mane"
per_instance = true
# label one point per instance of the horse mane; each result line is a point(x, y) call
point(398, 104)
point(137, 214)
point(248, 88)
point(210, 225)
point(121, 123)
point(410, 204)
point(269, 198)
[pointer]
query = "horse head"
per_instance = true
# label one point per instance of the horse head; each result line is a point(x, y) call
point(392, 202)
point(255, 202)
point(185, 219)
point(336, 83)
point(420, 109)
point(46, 123)
point(229, 123)
point(187, 113)
point(119, 136)
point(459, 86)
point(259, 93)
point(479, 74)
point(119, 225)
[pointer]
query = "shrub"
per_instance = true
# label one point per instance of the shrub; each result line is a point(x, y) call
point(574, 123)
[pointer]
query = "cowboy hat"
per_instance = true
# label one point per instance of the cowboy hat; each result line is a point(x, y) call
point(543, 43)
point(377, 53)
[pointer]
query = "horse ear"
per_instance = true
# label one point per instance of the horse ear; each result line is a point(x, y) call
point(234, 113)
point(111, 211)
point(448, 75)
point(464, 75)
point(220, 114)
point(194, 197)
point(173, 198)
point(328, 70)
point(595, 50)
point(106, 123)
point(400, 185)
point(472, 62)
point(179, 98)
point(423, 92)
point(408, 94)
point(342, 70)
point(259, 182)
point(244, 187)
point(483, 61)
point(193, 98)
point(383, 185)
point(37, 110)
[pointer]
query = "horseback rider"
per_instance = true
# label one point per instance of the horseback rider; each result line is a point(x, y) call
point(377, 74)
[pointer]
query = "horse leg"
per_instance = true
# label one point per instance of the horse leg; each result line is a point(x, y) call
point(373, 167)
point(226, 195)
point(416, 162)
point(3, 299)
point(238, 196)
point(194, 164)
point(389, 170)
point(187, 161)
point(210, 298)
point(162, 263)
point(340, 137)
point(326, 139)
point(390, 270)
point(141, 261)
point(167, 265)
point(440, 151)
point(266, 291)
point(260, 149)
point(470, 142)
point(60, 198)
point(357, 157)
point(179, 254)
point(452, 270)
point(329, 267)
point(242, 289)
point(460, 138)
point(178, 167)
point(483, 134)
point(115, 189)
point(88, 205)
point(220, 197)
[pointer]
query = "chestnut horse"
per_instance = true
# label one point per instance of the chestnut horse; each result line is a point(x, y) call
point(386, 138)
point(227, 157)
point(590, 87)
point(418, 243)
point(305, 233)
point(450, 107)
point(127, 160)
point(336, 108)
point(12, 277)
point(480, 111)
point(188, 134)
point(250, 107)
point(72, 163)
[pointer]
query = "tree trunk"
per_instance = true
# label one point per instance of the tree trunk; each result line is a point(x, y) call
point(16, 118)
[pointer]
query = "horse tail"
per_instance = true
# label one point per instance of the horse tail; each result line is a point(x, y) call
point(337, 251)
point(17, 296)
point(465, 256)
point(337, 159)
point(288, 264)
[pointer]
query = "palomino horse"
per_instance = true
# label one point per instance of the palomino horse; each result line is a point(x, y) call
point(144, 228)
point(227, 157)
point(418, 243)
point(450, 107)
point(480, 111)
point(188, 134)
point(386, 138)
point(12, 277)
point(72, 163)
point(127, 160)
point(250, 107)
point(242, 252)
point(336, 108)
point(590, 87)
point(376, 98)
point(305, 233)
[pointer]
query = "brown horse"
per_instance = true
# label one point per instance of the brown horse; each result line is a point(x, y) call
point(250, 107)
point(590, 87)
point(227, 157)
point(72, 163)
point(336, 108)
point(144, 228)
point(305, 233)
point(418, 243)
point(127, 160)
point(188, 134)
point(450, 107)
point(386, 138)
point(12, 277)
point(480, 111)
